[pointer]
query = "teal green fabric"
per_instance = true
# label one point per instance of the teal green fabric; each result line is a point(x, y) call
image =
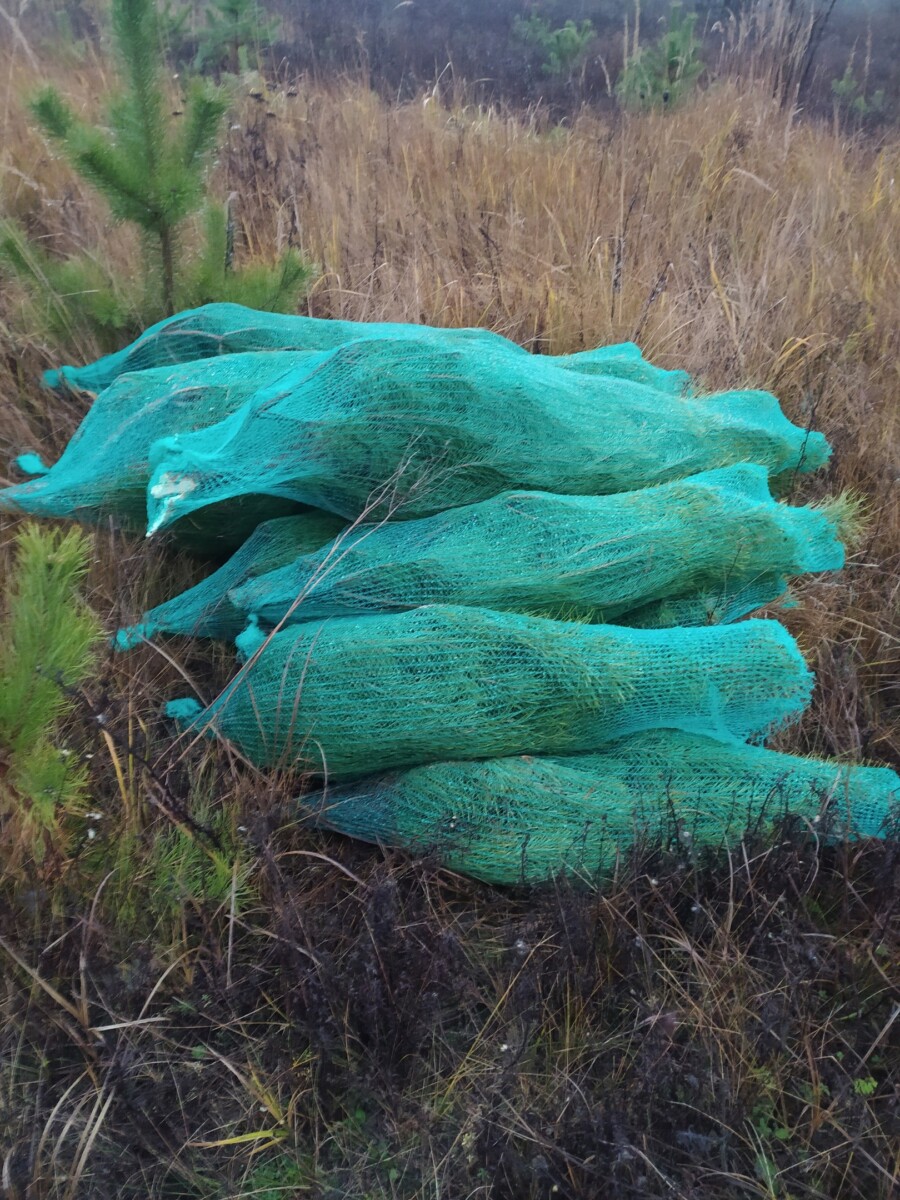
point(359, 694)
point(219, 329)
point(31, 464)
point(407, 428)
point(524, 654)
point(104, 470)
point(630, 558)
point(206, 610)
point(528, 820)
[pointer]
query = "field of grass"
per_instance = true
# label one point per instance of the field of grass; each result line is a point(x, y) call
point(200, 999)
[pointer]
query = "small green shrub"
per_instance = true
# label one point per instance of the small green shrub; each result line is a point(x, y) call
point(866, 1086)
point(566, 47)
point(200, 869)
point(186, 871)
point(152, 173)
point(48, 639)
point(279, 1177)
point(850, 94)
point(231, 38)
point(234, 34)
point(258, 285)
point(666, 71)
point(76, 300)
point(149, 172)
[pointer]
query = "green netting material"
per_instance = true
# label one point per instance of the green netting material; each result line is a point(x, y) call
point(104, 470)
point(206, 609)
point(429, 426)
point(368, 693)
point(528, 820)
point(524, 485)
point(712, 607)
point(31, 464)
point(217, 329)
point(584, 557)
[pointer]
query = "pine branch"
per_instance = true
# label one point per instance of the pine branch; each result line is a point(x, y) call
point(18, 252)
point(53, 114)
point(49, 636)
point(137, 38)
point(205, 109)
point(211, 267)
point(48, 642)
point(75, 297)
point(102, 165)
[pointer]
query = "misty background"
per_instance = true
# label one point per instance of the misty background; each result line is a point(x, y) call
point(846, 53)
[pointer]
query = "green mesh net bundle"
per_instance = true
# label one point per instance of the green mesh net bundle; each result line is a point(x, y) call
point(206, 610)
point(217, 329)
point(595, 558)
point(104, 470)
point(491, 491)
point(413, 427)
point(529, 820)
point(368, 693)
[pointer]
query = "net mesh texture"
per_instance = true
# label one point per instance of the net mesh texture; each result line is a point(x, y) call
point(528, 820)
point(430, 426)
point(218, 329)
point(493, 492)
point(595, 558)
point(367, 693)
point(104, 470)
point(206, 610)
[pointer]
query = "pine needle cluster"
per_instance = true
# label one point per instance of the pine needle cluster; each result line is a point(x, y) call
point(665, 71)
point(48, 639)
point(232, 28)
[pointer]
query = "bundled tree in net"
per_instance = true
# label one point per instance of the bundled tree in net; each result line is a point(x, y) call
point(529, 820)
point(226, 328)
point(354, 695)
point(411, 428)
point(716, 541)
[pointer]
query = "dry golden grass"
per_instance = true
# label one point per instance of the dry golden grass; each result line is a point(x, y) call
point(388, 1029)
